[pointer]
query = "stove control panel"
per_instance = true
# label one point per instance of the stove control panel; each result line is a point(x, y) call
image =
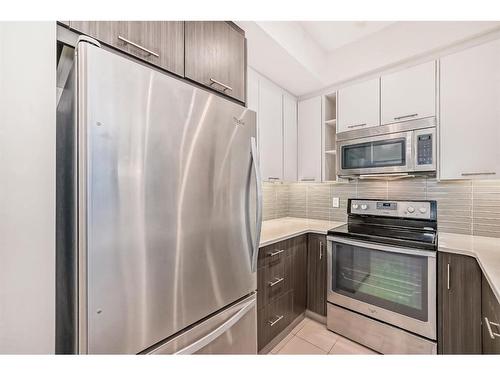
point(409, 209)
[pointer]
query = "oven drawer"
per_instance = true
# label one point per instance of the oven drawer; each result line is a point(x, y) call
point(379, 336)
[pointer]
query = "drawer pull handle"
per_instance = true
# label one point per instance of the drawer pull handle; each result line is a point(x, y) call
point(274, 178)
point(406, 116)
point(276, 253)
point(479, 174)
point(278, 318)
point(356, 126)
point(305, 179)
point(138, 46)
point(276, 281)
point(490, 331)
point(226, 87)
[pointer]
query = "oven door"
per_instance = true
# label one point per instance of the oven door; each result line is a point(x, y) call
point(391, 284)
point(389, 153)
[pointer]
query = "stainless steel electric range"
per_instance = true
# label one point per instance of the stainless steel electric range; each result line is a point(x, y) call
point(382, 276)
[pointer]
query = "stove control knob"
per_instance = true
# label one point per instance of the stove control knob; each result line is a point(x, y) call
point(422, 210)
point(410, 209)
point(355, 206)
point(364, 206)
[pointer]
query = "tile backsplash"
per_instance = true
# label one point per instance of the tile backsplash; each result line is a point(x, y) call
point(467, 207)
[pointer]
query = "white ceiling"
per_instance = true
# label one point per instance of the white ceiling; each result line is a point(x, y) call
point(331, 35)
point(305, 57)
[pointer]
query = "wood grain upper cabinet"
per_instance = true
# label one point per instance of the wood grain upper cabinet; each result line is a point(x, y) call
point(316, 274)
point(216, 56)
point(359, 106)
point(270, 131)
point(289, 138)
point(158, 42)
point(408, 94)
point(470, 113)
point(459, 304)
point(491, 319)
point(309, 140)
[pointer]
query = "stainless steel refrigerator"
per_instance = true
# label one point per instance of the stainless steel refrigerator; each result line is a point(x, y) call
point(158, 213)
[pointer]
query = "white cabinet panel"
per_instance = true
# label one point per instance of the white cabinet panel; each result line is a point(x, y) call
point(289, 138)
point(409, 94)
point(359, 106)
point(470, 113)
point(309, 139)
point(270, 131)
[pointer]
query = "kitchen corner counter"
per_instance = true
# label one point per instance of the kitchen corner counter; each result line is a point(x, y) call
point(485, 249)
point(277, 230)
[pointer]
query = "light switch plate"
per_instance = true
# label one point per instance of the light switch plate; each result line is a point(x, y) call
point(335, 202)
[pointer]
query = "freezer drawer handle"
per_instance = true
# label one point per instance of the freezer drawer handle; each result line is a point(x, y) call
point(224, 327)
point(278, 318)
point(490, 331)
point(277, 281)
point(479, 174)
point(274, 253)
point(138, 46)
point(258, 183)
point(225, 87)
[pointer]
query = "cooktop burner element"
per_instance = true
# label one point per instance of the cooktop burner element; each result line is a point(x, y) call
point(403, 223)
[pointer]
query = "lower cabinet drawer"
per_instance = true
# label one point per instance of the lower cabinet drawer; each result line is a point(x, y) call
point(274, 318)
point(273, 281)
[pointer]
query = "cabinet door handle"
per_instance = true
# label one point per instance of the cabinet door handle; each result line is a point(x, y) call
point(479, 174)
point(274, 178)
point(277, 281)
point(308, 179)
point(138, 46)
point(278, 318)
point(406, 116)
point(448, 276)
point(490, 331)
point(271, 254)
point(226, 87)
point(321, 250)
point(356, 126)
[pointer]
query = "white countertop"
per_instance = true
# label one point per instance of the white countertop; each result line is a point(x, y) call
point(485, 249)
point(287, 227)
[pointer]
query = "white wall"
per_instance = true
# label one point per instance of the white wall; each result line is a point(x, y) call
point(27, 186)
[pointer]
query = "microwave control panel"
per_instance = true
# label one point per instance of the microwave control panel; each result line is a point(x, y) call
point(424, 149)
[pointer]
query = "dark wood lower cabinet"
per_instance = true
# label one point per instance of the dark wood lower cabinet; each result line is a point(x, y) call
point(491, 319)
point(281, 287)
point(316, 274)
point(459, 304)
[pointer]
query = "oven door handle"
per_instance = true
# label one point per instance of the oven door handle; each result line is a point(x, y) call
point(376, 246)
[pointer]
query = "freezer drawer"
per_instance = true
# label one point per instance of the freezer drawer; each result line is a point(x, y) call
point(232, 331)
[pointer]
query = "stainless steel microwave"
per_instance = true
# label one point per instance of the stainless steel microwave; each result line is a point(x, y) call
point(400, 148)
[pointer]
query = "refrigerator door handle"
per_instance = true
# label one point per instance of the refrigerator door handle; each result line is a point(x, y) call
point(224, 327)
point(258, 182)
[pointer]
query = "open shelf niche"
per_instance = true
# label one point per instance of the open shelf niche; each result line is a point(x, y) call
point(329, 137)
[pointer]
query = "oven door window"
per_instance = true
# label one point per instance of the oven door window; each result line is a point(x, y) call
point(392, 281)
point(389, 153)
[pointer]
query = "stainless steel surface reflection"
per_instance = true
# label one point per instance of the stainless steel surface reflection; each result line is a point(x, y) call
point(169, 211)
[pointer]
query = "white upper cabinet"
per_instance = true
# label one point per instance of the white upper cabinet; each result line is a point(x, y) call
point(409, 94)
point(470, 113)
point(359, 106)
point(309, 139)
point(289, 138)
point(270, 131)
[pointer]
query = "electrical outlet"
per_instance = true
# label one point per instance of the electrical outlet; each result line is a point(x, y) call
point(335, 202)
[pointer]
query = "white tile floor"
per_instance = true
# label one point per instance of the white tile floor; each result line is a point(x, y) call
point(311, 337)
